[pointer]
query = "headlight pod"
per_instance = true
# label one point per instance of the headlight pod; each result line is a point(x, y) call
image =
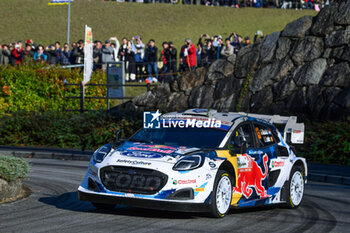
point(189, 162)
point(101, 153)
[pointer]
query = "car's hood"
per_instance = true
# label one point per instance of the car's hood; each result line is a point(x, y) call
point(145, 151)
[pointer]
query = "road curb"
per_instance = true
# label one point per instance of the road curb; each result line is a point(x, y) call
point(67, 154)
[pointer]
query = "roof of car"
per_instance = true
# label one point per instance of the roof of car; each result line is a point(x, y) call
point(229, 116)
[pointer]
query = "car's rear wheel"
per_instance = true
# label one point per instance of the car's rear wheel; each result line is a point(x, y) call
point(102, 206)
point(222, 194)
point(295, 188)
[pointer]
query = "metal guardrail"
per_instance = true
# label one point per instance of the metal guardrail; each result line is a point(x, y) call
point(82, 96)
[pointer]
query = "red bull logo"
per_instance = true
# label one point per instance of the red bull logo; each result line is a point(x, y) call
point(250, 176)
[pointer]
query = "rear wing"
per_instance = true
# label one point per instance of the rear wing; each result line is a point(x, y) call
point(292, 131)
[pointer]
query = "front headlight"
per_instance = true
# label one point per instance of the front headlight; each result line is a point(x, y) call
point(101, 153)
point(189, 163)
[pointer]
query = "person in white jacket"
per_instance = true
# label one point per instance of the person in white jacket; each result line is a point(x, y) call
point(116, 48)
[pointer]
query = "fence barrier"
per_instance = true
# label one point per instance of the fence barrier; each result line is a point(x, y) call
point(82, 96)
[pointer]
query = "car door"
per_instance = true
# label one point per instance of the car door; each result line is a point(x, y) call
point(252, 166)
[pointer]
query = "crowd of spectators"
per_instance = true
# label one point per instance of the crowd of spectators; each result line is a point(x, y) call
point(297, 4)
point(141, 61)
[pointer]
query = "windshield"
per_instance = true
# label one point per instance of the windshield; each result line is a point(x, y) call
point(189, 137)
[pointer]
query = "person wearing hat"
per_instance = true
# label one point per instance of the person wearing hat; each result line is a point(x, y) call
point(190, 55)
point(107, 54)
point(18, 53)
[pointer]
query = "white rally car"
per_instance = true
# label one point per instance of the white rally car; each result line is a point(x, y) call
point(201, 160)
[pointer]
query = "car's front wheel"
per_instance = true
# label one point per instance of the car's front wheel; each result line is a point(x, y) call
point(222, 194)
point(102, 206)
point(295, 188)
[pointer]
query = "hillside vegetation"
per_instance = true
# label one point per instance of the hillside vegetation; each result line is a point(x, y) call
point(45, 24)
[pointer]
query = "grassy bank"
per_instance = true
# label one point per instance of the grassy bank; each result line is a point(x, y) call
point(163, 22)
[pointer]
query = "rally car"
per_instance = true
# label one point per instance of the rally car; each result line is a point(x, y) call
point(200, 160)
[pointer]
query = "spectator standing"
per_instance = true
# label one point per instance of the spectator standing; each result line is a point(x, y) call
point(173, 59)
point(18, 53)
point(97, 55)
point(208, 53)
point(39, 55)
point(58, 52)
point(151, 55)
point(259, 36)
point(139, 50)
point(5, 55)
point(78, 53)
point(72, 58)
point(227, 50)
point(52, 55)
point(65, 55)
point(107, 54)
point(190, 56)
point(124, 56)
point(131, 61)
point(218, 43)
point(246, 41)
point(182, 65)
point(199, 54)
point(115, 48)
point(165, 56)
point(29, 53)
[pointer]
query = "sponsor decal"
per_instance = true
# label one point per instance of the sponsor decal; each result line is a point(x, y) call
point(175, 182)
point(265, 132)
point(199, 110)
point(267, 139)
point(151, 120)
point(297, 131)
point(199, 189)
point(133, 162)
point(212, 164)
point(258, 132)
point(191, 123)
point(129, 195)
point(250, 176)
point(243, 163)
point(140, 154)
point(277, 164)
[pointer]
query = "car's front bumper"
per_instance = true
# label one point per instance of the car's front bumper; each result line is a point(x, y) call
point(143, 203)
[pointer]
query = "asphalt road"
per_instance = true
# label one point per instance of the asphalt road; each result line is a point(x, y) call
point(53, 207)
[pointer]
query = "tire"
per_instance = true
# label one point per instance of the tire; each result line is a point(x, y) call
point(295, 188)
point(102, 206)
point(222, 195)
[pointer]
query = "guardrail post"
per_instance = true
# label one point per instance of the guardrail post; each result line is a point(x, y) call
point(81, 97)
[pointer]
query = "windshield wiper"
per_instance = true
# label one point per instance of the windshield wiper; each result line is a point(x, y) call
point(139, 140)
